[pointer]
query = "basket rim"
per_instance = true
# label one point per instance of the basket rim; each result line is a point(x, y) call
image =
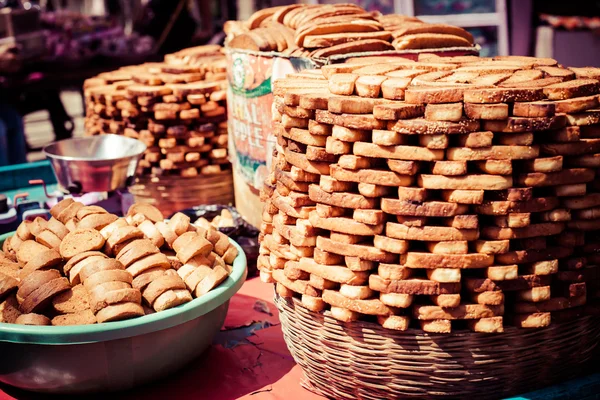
point(81, 334)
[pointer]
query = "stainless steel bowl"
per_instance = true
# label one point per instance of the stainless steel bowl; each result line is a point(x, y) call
point(94, 164)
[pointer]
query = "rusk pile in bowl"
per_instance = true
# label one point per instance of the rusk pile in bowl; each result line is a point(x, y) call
point(130, 300)
point(87, 266)
point(411, 203)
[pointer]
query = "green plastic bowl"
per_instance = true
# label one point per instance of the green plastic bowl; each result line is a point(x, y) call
point(115, 355)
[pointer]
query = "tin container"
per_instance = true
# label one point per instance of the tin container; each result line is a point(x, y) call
point(94, 164)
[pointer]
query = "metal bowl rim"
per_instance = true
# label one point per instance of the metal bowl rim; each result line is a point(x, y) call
point(90, 159)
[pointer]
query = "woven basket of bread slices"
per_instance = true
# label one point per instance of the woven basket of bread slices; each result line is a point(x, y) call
point(177, 108)
point(87, 266)
point(435, 222)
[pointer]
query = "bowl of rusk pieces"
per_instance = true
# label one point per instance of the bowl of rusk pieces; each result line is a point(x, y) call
point(92, 302)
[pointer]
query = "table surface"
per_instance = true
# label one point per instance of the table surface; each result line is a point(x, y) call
point(249, 360)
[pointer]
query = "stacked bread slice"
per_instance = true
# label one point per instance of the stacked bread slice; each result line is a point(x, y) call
point(36, 291)
point(412, 33)
point(177, 108)
point(73, 307)
point(86, 265)
point(321, 31)
point(442, 193)
point(203, 257)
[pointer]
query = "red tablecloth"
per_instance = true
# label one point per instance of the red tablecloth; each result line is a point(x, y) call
point(250, 360)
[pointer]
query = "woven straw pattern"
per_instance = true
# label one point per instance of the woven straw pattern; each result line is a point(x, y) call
point(362, 360)
point(173, 193)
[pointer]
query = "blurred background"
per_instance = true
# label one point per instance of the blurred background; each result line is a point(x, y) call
point(48, 48)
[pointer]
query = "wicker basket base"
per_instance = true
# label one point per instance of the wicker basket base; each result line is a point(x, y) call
point(362, 360)
point(173, 193)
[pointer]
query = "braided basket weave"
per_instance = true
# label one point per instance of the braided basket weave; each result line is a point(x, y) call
point(362, 360)
point(173, 193)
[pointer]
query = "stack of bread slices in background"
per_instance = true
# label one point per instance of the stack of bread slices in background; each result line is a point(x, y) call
point(321, 31)
point(438, 194)
point(177, 108)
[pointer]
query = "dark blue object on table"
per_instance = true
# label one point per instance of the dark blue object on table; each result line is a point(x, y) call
point(14, 179)
point(585, 388)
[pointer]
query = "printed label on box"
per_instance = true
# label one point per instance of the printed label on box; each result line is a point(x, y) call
point(249, 102)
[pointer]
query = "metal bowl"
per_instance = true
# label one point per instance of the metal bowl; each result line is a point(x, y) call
point(94, 164)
